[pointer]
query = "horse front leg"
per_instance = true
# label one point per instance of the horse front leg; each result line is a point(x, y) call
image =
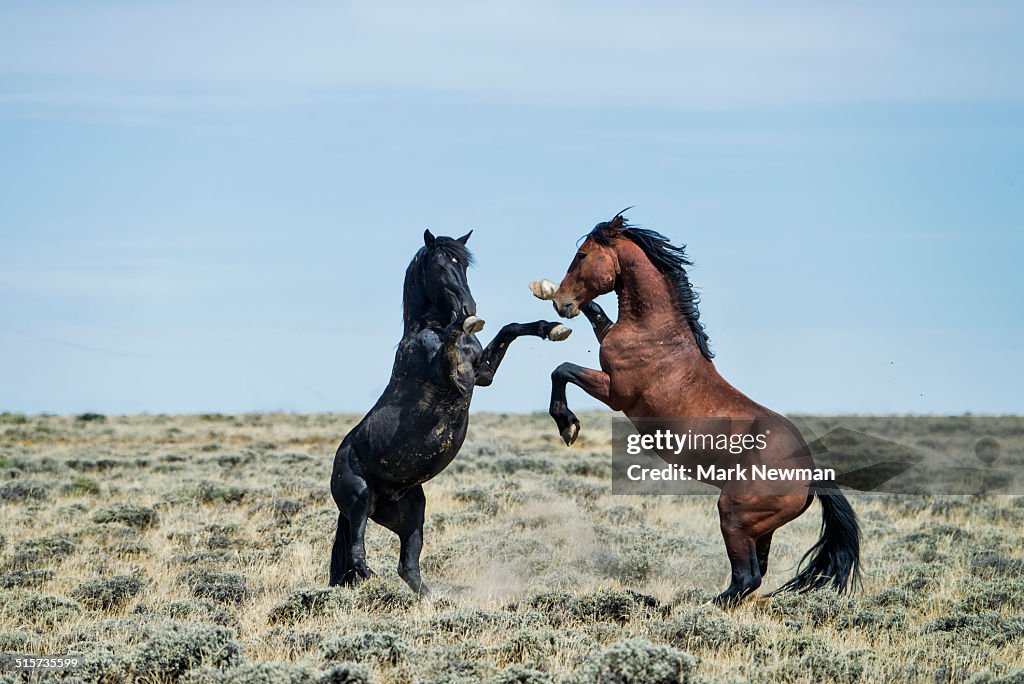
point(494, 352)
point(453, 365)
point(598, 319)
point(594, 382)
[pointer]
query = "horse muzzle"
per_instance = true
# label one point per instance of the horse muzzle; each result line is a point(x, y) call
point(568, 309)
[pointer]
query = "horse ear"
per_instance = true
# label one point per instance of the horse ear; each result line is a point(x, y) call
point(618, 223)
point(615, 226)
point(428, 238)
point(465, 238)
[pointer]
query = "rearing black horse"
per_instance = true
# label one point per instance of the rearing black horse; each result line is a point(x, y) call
point(418, 425)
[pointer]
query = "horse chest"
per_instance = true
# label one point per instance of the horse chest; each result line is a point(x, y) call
point(635, 362)
point(469, 349)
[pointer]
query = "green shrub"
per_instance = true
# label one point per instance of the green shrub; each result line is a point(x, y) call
point(379, 595)
point(708, 629)
point(637, 661)
point(213, 493)
point(26, 578)
point(614, 605)
point(481, 500)
point(15, 640)
point(100, 662)
point(377, 647)
point(138, 517)
point(873, 620)
point(298, 642)
point(990, 628)
point(347, 673)
point(108, 593)
point(52, 549)
point(42, 610)
point(526, 646)
point(199, 610)
point(284, 509)
point(225, 587)
point(814, 608)
point(82, 485)
point(517, 674)
point(254, 673)
point(24, 489)
point(989, 564)
point(171, 652)
point(306, 602)
point(129, 548)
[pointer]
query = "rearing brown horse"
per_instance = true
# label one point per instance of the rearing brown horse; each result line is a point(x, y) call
point(656, 363)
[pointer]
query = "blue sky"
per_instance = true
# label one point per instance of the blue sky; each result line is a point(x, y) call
point(210, 206)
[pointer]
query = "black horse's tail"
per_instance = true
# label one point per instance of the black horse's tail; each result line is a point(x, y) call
point(834, 560)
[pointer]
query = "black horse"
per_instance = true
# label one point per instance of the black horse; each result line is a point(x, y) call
point(418, 425)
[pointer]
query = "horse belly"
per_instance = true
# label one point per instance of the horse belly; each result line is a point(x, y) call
point(422, 450)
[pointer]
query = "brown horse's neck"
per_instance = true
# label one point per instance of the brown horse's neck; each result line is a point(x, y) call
point(648, 300)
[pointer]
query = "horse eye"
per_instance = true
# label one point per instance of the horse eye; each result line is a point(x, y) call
point(454, 260)
point(581, 256)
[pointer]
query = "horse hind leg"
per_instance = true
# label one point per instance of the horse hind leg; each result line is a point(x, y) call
point(341, 558)
point(746, 572)
point(354, 500)
point(742, 548)
point(404, 517)
point(764, 545)
point(748, 524)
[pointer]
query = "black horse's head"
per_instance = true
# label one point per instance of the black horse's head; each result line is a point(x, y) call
point(436, 283)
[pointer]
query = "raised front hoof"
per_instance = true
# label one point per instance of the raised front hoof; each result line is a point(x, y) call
point(543, 289)
point(472, 325)
point(570, 433)
point(559, 332)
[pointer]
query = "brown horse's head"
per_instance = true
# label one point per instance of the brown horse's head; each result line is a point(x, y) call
point(593, 271)
point(613, 247)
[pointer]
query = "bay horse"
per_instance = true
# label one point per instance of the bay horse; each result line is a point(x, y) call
point(656, 363)
point(419, 423)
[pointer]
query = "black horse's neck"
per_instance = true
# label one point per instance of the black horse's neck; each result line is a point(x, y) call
point(418, 311)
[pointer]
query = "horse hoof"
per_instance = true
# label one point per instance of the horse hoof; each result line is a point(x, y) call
point(472, 325)
point(543, 289)
point(570, 434)
point(559, 333)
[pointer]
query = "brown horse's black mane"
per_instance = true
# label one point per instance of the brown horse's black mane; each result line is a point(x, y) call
point(669, 260)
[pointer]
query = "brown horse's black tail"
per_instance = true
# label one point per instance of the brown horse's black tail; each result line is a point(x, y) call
point(834, 560)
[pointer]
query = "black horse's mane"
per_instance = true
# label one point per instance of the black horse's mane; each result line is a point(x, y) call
point(669, 260)
point(451, 248)
point(415, 305)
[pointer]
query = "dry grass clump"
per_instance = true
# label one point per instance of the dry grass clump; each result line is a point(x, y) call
point(195, 549)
